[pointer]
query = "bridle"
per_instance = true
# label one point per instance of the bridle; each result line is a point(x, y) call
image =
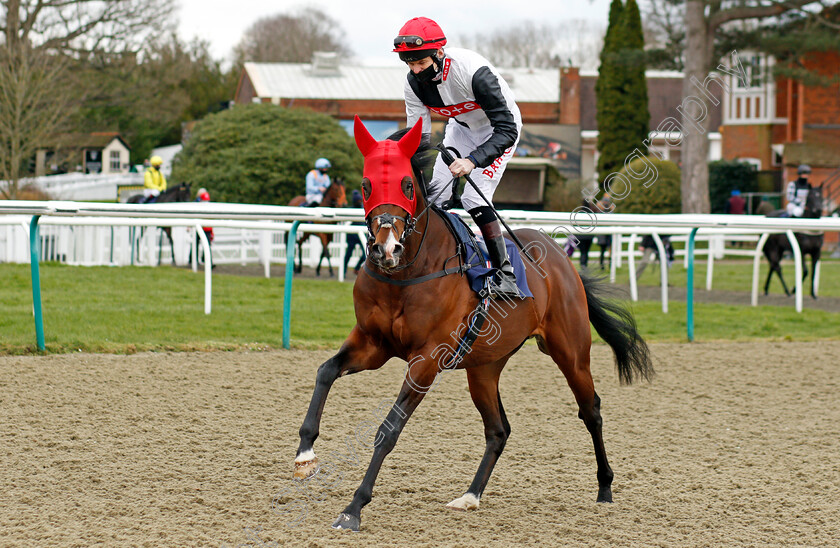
point(410, 227)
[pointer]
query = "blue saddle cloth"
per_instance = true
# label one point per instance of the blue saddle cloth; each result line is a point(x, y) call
point(477, 275)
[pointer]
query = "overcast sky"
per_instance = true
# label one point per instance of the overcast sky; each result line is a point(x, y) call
point(372, 24)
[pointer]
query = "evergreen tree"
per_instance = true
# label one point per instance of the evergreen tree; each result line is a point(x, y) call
point(633, 57)
point(261, 153)
point(607, 98)
point(622, 102)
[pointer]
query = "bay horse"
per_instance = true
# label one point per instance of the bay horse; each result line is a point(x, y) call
point(810, 243)
point(334, 196)
point(407, 307)
point(176, 193)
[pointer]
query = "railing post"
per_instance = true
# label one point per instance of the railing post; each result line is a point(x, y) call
point(689, 296)
point(34, 256)
point(291, 238)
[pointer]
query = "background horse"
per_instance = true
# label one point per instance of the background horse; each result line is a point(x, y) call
point(334, 196)
point(407, 307)
point(177, 193)
point(810, 243)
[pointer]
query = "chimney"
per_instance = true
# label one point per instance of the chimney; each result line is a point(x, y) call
point(325, 63)
point(570, 96)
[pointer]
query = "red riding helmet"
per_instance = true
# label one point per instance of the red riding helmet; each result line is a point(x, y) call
point(419, 38)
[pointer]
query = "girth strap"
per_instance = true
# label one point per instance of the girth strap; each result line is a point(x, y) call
point(466, 342)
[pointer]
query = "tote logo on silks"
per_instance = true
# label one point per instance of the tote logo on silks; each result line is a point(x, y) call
point(454, 110)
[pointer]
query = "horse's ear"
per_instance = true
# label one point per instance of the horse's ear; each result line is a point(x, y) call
point(364, 140)
point(411, 140)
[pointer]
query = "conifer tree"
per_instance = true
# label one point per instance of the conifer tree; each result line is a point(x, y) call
point(622, 102)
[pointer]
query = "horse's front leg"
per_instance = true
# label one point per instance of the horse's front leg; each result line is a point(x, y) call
point(357, 353)
point(419, 379)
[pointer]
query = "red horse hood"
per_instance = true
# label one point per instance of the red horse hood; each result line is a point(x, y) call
point(387, 163)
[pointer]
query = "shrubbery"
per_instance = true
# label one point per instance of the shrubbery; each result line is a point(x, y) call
point(260, 153)
point(663, 196)
point(726, 176)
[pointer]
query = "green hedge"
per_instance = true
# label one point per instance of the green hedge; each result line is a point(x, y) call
point(726, 176)
point(261, 153)
point(654, 187)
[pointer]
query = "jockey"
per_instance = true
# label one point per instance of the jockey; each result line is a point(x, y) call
point(154, 181)
point(484, 127)
point(317, 182)
point(797, 192)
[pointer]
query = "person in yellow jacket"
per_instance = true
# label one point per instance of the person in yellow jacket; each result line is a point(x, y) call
point(154, 181)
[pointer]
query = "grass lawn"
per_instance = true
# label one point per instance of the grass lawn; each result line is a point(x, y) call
point(130, 309)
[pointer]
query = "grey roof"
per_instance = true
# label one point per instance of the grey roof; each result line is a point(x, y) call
point(299, 81)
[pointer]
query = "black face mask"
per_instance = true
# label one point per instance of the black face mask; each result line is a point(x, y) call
point(425, 76)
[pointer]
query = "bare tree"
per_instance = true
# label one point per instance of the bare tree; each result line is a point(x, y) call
point(664, 26)
point(40, 37)
point(291, 38)
point(703, 19)
point(577, 43)
point(29, 108)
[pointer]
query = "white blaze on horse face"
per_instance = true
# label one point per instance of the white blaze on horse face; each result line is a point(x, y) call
point(390, 245)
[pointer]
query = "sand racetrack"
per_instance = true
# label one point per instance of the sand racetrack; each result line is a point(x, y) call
point(733, 444)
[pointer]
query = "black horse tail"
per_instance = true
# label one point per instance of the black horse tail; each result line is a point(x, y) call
point(616, 325)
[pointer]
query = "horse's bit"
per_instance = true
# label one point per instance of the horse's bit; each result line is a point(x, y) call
point(386, 220)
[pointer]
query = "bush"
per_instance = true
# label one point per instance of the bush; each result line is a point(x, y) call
point(261, 153)
point(662, 196)
point(726, 176)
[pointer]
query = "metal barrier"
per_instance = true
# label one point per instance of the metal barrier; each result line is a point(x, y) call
point(249, 216)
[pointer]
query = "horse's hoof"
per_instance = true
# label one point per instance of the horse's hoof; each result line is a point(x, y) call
point(466, 502)
point(348, 522)
point(306, 469)
point(604, 495)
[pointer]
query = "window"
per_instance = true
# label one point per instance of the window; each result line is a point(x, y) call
point(753, 72)
point(116, 165)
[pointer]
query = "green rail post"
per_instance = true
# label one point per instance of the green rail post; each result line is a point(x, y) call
point(287, 293)
point(34, 254)
point(689, 296)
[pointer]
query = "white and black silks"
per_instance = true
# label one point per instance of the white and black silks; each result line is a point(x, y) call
point(484, 121)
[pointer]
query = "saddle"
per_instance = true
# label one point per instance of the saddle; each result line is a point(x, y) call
point(473, 253)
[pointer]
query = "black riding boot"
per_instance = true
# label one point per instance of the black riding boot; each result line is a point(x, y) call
point(503, 283)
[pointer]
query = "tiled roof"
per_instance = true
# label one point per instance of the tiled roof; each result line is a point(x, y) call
point(83, 140)
point(299, 81)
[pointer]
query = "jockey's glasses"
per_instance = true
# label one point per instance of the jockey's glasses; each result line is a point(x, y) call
point(412, 41)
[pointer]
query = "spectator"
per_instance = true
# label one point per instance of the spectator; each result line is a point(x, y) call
point(204, 196)
point(605, 205)
point(584, 240)
point(735, 205)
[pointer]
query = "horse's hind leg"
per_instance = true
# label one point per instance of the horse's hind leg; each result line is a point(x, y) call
point(327, 255)
point(484, 389)
point(815, 260)
point(299, 267)
point(781, 279)
point(574, 363)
